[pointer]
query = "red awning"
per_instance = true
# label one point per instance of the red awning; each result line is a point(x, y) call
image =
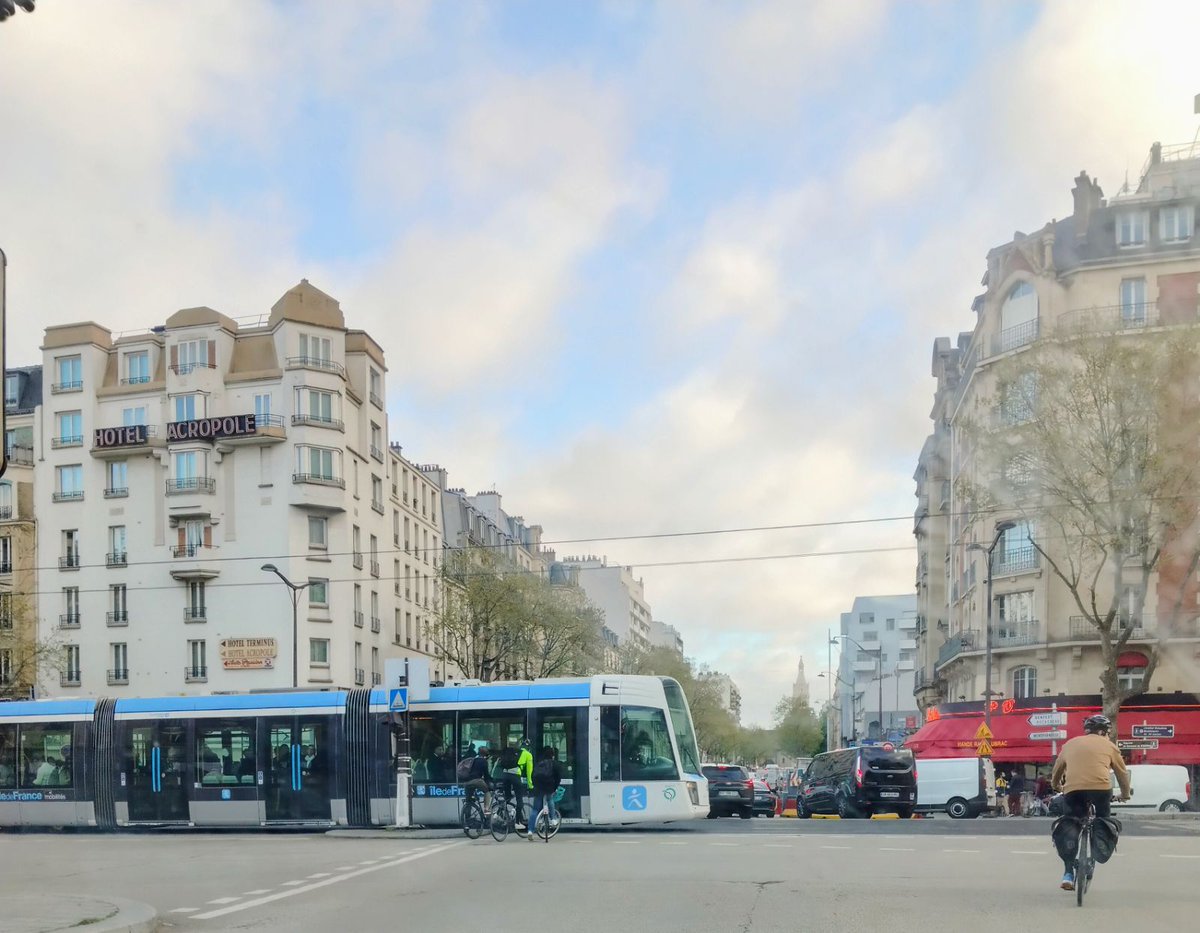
point(1131, 659)
point(953, 735)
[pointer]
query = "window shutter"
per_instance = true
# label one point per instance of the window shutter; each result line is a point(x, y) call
point(208, 535)
point(212, 354)
point(182, 536)
point(174, 357)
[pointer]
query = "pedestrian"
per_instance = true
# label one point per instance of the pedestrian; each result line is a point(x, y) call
point(1016, 787)
point(547, 778)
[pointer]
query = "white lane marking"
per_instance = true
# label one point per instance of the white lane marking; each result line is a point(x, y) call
point(1027, 852)
point(886, 849)
point(963, 851)
point(292, 884)
point(1162, 855)
point(320, 874)
point(246, 905)
point(672, 843)
point(339, 868)
point(370, 861)
point(733, 844)
point(835, 847)
point(225, 900)
point(185, 910)
point(776, 845)
point(256, 892)
point(625, 842)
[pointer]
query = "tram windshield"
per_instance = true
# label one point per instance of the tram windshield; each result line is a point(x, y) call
point(681, 722)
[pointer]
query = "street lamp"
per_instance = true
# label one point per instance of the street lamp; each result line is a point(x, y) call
point(295, 589)
point(878, 652)
point(829, 707)
point(1001, 528)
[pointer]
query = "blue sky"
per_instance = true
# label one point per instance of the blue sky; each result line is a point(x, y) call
point(646, 267)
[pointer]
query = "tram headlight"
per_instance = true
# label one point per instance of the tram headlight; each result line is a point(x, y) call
point(694, 793)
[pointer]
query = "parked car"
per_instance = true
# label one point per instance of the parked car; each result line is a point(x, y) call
point(730, 791)
point(962, 787)
point(858, 782)
point(764, 799)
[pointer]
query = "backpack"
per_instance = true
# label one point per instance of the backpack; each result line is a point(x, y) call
point(545, 774)
point(508, 759)
point(464, 769)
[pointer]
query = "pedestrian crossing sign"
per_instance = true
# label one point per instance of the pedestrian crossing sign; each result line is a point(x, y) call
point(984, 749)
point(398, 700)
point(983, 732)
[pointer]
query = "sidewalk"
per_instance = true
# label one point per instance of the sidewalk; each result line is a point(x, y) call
point(28, 913)
point(390, 832)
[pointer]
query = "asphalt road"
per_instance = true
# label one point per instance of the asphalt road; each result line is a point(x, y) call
point(725, 875)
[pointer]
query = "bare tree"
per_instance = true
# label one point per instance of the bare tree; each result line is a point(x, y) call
point(1091, 437)
point(25, 660)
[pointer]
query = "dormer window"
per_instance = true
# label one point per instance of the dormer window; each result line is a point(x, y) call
point(12, 390)
point(1175, 223)
point(1132, 227)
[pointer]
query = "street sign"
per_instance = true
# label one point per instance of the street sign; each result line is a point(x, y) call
point(1146, 731)
point(983, 732)
point(1048, 719)
point(984, 749)
point(1137, 744)
point(398, 700)
point(1054, 735)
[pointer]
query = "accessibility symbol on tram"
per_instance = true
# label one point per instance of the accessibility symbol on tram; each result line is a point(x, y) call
point(398, 700)
point(634, 798)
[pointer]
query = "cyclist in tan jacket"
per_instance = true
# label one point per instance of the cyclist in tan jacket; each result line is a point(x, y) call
point(1082, 773)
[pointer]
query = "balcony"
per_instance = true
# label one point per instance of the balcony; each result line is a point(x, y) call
point(375, 627)
point(195, 614)
point(376, 400)
point(360, 676)
point(188, 484)
point(117, 618)
point(1114, 318)
point(376, 679)
point(357, 560)
point(6, 622)
point(1082, 629)
point(74, 495)
point(69, 562)
point(377, 505)
point(375, 568)
point(116, 492)
point(358, 618)
point(268, 429)
point(195, 562)
point(186, 550)
point(116, 559)
point(1016, 634)
point(127, 440)
point(68, 620)
point(964, 641)
point(135, 380)
point(195, 675)
point(319, 479)
point(1013, 337)
point(58, 388)
point(376, 453)
point(6, 567)
point(69, 679)
point(118, 676)
point(182, 369)
point(317, 363)
point(66, 440)
point(1017, 560)
point(318, 422)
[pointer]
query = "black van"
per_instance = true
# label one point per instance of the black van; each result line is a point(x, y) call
point(856, 782)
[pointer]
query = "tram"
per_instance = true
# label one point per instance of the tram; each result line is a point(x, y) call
point(328, 758)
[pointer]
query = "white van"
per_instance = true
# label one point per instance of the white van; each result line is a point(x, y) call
point(1158, 787)
point(962, 787)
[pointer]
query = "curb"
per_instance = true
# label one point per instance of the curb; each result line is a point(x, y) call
point(79, 912)
point(390, 832)
point(131, 917)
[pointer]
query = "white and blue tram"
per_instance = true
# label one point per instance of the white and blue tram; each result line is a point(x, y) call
point(314, 759)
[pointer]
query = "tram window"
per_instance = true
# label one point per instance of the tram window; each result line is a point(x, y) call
point(685, 735)
point(433, 748)
point(224, 749)
point(493, 730)
point(45, 756)
point(646, 753)
point(8, 756)
point(610, 743)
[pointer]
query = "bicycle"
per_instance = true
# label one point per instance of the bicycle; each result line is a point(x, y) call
point(474, 819)
point(504, 814)
point(543, 825)
point(1085, 862)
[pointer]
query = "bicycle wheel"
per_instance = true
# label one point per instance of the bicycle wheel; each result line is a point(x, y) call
point(1081, 867)
point(472, 819)
point(500, 823)
point(542, 825)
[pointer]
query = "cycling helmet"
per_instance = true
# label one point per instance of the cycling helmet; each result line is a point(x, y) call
point(525, 743)
point(1097, 725)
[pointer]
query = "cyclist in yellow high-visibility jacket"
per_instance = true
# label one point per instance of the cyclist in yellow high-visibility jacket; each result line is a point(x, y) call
point(516, 774)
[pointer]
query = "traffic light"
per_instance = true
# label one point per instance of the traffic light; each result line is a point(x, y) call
point(9, 7)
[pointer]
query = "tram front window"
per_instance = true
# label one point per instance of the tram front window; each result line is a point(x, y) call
point(646, 753)
point(681, 721)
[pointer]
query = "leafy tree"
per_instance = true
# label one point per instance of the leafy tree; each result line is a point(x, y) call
point(1092, 440)
point(798, 731)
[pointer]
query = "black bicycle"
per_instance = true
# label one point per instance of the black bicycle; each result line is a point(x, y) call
point(1085, 860)
point(504, 813)
point(474, 820)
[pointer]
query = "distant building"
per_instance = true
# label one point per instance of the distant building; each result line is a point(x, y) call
point(800, 687)
point(615, 591)
point(877, 638)
point(727, 691)
point(663, 635)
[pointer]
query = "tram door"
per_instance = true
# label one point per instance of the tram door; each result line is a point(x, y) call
point(296, 756)
point(156, 772)
point(558, 729)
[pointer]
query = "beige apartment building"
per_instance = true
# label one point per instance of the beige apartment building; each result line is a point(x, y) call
point(1125, 265)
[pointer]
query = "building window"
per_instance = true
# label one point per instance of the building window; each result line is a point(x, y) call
point(1015, 622)
point(406, 538)
point(72, 666)
point(890, 625)
point(132, 416)
point(1131, 228)
point(1018, 318)
point(376, 441)
point(197, 656)
point(318, 652)
point(195, 611)
point(189, 407)
point(117, 554)
point(69, 481)
point(395, 576)
point(137, 367)
point(191, 353)
point(318, 592)
point(315, 349)
point(1016, 550)
point(356, 546)
point(70, 429)
point(185, 467)
point(318, 531)
point(321, 463)
point(6, 554)
point(374, 556)
point(1175, 223)
point(1133, 302)
point(118, 604)
point(12, 391)
point(375, 622)
point(1024, 682)
point(375, 673)
point(358, 611)
point(117, 478)
point(376, 388)
point(5, 680)
point(1018, 471)
point(120, 662)
point(70, 373)
point(377, 494)
point(1131, 670)
point(315, 405)
point(358, 665)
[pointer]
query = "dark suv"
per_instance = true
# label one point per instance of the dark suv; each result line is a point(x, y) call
point(855, 782)
point(730, 791)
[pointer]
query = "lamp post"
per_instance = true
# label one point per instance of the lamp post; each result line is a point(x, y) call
point(830, 676)
point(878, 652)
point(1001, 528)
point(294, 589)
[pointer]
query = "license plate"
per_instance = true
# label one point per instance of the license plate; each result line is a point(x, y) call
point(889, 793)
point(728, 793)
